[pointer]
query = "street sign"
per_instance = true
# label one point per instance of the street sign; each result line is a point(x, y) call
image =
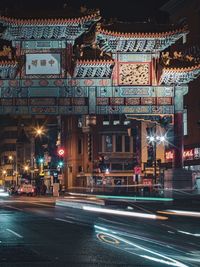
point(137, 170)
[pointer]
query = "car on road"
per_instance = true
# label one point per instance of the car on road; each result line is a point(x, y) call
point(13, 190)
point(2, 189)
point(27, 189)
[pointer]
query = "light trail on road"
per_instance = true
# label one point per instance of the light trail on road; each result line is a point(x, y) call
point(114, 239)
point(180, 213)
point(14, 233)
point(124, 213)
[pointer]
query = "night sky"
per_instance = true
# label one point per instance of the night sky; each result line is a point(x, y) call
point(124, 9)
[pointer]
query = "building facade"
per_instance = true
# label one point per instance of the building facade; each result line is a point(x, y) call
point(103, 79)
point(189, 11)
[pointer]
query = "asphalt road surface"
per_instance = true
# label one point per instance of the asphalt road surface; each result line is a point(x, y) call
point(36, 232)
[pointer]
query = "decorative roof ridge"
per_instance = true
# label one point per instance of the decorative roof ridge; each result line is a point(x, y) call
point(100, 29)
point(8, 62)
point(49, 21)
point(94, 61)
point(185, 69)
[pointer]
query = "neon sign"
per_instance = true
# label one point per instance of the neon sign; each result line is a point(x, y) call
point(188, 154)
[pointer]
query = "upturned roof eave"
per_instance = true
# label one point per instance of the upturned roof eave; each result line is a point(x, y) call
point(48, 21)
point(142, 35)
point(94, 62)
point(8, 63)
point(183, 69)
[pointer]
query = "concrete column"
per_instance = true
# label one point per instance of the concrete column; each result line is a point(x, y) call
point(178, 126)
point(177, 177)
point(178, 140)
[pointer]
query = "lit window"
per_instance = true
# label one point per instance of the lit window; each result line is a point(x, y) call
point(108, 143)
point(106, 120)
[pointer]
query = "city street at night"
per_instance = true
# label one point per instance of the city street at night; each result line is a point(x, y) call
point(99, 133)
point(35, 231)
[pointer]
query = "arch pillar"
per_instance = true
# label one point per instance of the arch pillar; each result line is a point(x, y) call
point(178, 126)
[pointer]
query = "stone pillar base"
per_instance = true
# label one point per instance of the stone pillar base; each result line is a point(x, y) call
point(178, 179)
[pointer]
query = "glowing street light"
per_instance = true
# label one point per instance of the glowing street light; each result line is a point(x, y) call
point(26, 168)
point(10, 157)
point(155, 139)
point(39, 131)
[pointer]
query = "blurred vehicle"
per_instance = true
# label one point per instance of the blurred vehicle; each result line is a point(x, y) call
point(27, 189)
point(2, 189)
point(158, 189)
point(13, 190)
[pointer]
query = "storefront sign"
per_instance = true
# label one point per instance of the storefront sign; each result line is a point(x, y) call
point(42, 63)
point(147, 181)
point(188, 154)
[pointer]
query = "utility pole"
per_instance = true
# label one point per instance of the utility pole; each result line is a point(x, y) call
point(155, 165)
point(32, 157)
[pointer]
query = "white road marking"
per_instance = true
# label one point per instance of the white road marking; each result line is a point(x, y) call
point(110, 221)
point(70, 217)
point(14, 233)
point(63, 220)
point(72, 222)
point(11, 207)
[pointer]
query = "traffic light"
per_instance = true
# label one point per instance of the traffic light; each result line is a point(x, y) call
point(90, 147)
point(60, 164)
point(41, 160)
point(61, 152)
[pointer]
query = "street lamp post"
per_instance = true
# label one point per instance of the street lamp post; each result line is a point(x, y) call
point(155, 165)
point(26, 171)
point(37, 132)
point(11, 161)
point(154, 140)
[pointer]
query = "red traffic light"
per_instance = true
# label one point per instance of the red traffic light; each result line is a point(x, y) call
point(61, 152)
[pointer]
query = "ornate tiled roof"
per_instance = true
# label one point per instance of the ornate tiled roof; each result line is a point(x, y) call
point(181, 75)
point(94, 68)
point(8, 63)
point(137, 37)
point(8, 69)
point(50, 27)
point(94, 62)
point(182, 69)
point(50, 20)
point(140, 30)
